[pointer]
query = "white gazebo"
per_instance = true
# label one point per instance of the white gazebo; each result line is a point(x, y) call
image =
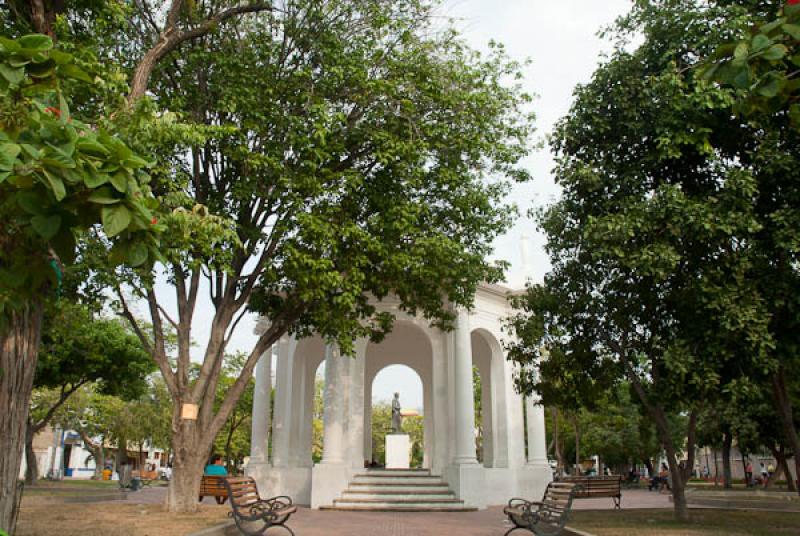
point(444, 362)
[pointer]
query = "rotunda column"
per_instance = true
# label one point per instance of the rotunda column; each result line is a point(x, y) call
point(333, 438)
point(537, 444)
point(464, 401)
point(259, 444)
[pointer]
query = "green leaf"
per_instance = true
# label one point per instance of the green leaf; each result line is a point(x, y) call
point(93, 179)
point(794, 114)
point(4, 175)
point(761, 42)
point(8, 155)
point(771, 87)
point(56, 185)
point(91, 147)
point(741, 51)
point(793, 30)
point(32, 202)
point(60, 57)
point(104, 196)
point(73, 71)
point(12, 75)
point(9, 45)
point(115, 219)
point(46, 226)
point(120, 181)
point(138, 254)
point(64, 245)
point(36, 42)
point(775, 52)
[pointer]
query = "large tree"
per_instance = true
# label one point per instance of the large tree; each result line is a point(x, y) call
point(59, 177)
point(350, 149)
point(762, 67)
point(649, 243)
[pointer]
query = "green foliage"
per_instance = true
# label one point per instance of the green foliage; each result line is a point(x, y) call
point(382, 425)
point(233, 441)
point(60, 176)
point(78, 349)
point(350, 175)
point(763, 66)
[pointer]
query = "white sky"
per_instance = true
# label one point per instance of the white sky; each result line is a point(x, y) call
point(559, 36)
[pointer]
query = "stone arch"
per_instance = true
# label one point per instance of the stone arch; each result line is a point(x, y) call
point(309, 356)
point(487, 356)
point(408, 344)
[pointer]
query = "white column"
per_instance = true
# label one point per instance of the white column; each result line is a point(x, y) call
point(259, 443)
point(464, 401)
point(537, 445)
point(281, 428)
point(333, 438)
point(356, 411)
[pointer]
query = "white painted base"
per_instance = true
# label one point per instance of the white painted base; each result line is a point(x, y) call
point(328, 481)
point(292, 481)
point(532, 480)
point(468, 481)
point(398, 451)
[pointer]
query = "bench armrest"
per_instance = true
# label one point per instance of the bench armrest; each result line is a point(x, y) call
point(279, 500)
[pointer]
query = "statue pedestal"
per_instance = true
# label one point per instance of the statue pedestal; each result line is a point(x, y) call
point(398, 451)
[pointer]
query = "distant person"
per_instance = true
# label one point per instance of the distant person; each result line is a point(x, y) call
point(770, 471)
point(764, 473)
point(748, 474)
point(216, 467)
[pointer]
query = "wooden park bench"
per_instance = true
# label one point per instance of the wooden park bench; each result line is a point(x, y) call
point(213, 486)
point(545, 518)
point(252, 514)
point(598, 486)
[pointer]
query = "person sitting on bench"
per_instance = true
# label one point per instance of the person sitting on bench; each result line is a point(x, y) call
point(660, 481)
point(215, 466)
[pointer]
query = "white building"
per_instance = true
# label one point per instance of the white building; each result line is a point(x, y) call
point(443, 361)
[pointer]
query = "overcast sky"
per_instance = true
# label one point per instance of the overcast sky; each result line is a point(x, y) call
point(559, 37)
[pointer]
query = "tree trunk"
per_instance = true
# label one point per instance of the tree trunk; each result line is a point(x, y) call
point(31, 465)
point(578, 468)
point(19, 347)
point(191, 447)
point(727, 474)
point(716, 469)
point(783, 404)
point(559, 454)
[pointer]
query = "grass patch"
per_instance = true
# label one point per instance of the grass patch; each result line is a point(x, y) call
point(705, 522)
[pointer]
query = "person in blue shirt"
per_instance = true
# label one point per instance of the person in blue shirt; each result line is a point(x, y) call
point(215, 466)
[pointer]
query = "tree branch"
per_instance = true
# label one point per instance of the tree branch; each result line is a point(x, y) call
point(171, 38)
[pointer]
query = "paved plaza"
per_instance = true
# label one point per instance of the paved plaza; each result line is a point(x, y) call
point(489, 522)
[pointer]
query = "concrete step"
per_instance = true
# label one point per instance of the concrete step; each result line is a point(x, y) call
point(397, 496)
point(395, 472)
point(409, 505)
point(403, 508)
point(397, 480)
point(396, 488)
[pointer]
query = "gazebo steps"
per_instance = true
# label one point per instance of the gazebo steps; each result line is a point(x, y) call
point(399, 490)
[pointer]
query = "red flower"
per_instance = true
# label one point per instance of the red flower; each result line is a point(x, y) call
point(55, 111)
point(154, 221)
point(792, 2)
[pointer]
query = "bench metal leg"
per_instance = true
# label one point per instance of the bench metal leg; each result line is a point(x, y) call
point(512, 529)
point(617, 503)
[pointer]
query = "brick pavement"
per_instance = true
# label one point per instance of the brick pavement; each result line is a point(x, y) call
point(489, 522)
